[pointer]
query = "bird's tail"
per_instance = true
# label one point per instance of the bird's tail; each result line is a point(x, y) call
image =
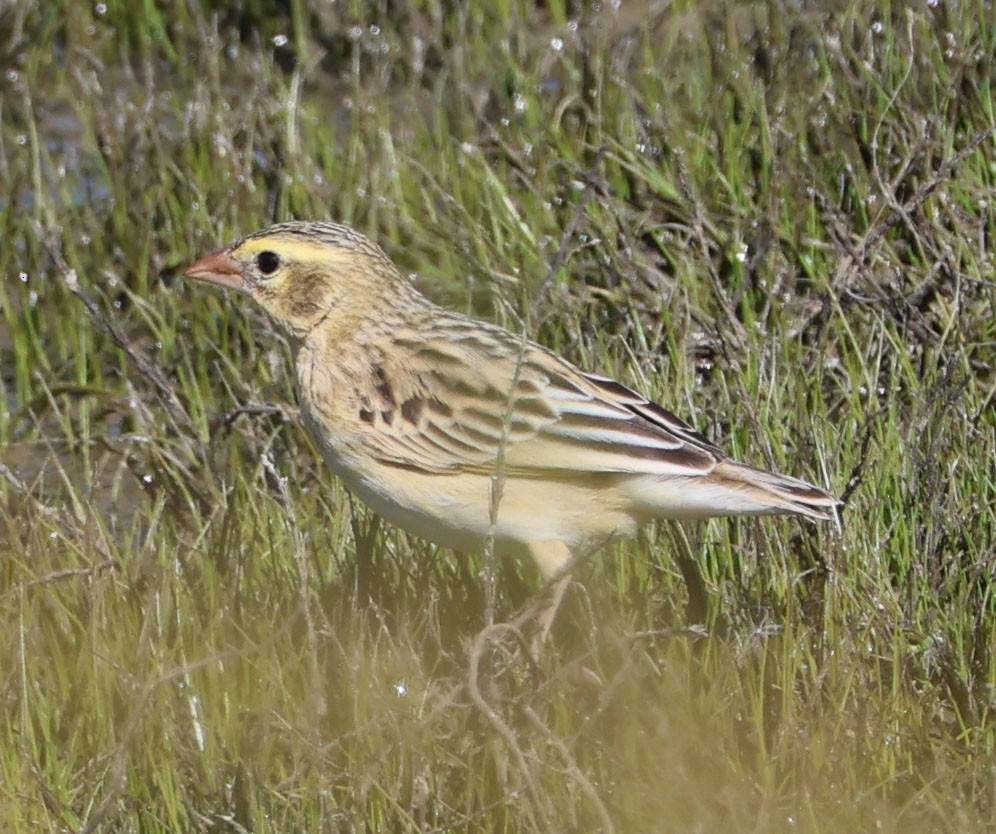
point(767, 492)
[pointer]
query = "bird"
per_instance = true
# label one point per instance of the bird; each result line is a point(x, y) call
point(462, 432)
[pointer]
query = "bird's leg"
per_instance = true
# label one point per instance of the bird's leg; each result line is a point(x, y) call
point(553, 558)
point(549, 613)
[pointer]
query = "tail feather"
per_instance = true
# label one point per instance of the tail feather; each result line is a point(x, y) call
point(777, 493)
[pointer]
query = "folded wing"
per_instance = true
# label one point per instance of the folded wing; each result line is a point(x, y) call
point(480, 395)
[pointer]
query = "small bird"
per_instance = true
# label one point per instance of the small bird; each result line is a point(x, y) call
point(456, 429)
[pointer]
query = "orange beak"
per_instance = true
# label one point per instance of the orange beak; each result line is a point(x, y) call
point(219, 268)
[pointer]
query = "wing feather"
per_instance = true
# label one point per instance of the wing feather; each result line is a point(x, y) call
point(468, 397)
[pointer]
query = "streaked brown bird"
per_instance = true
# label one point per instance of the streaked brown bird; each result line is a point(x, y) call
point(454, 429)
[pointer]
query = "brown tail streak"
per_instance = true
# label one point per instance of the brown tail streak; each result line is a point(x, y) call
point(785, 494)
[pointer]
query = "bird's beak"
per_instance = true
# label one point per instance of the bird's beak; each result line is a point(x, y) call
point(219, 268)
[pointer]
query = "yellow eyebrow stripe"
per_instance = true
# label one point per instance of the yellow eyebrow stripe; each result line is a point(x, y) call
point(292, 249)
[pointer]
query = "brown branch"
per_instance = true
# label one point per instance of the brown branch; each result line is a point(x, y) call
point(153, 374)
point(878, 231)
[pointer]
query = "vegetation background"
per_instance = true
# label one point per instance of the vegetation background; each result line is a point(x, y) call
point(774, 217)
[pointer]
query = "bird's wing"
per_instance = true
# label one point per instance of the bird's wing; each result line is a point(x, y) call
point(457, 403)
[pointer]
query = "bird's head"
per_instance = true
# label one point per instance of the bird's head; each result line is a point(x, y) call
point(305, 274)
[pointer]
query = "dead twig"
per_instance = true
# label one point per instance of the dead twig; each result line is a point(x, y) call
point(166, 391)
point(856, 258)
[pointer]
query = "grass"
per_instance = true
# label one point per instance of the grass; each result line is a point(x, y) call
point(777, 222)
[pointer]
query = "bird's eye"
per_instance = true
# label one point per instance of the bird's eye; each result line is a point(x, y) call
point(267, 262)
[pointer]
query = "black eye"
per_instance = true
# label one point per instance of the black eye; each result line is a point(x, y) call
point(267, 262)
